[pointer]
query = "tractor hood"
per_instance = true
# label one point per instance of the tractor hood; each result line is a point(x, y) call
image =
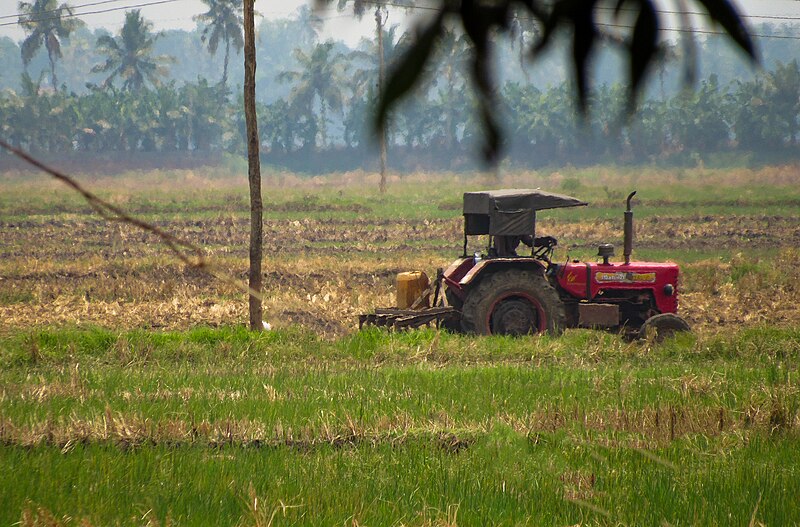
point(510, 211)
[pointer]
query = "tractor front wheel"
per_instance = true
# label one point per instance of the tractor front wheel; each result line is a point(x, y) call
point(513, 302)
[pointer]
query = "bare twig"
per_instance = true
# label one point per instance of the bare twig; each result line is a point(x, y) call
point(113, 213)
point(185, 251)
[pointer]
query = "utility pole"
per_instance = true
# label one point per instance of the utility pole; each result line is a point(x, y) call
point(380, 20)
point(253, 168)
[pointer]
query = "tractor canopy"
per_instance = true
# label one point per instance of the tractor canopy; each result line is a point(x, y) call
point(509, 212)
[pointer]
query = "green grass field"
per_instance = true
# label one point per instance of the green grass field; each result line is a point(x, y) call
point(131, 394)
point(423, 428)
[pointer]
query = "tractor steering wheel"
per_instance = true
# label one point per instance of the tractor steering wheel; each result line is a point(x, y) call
point(543, 247)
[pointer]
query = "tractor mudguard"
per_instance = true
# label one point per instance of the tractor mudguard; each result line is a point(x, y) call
point(492, 265)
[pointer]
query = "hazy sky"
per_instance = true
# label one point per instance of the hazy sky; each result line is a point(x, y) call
point(178, 14)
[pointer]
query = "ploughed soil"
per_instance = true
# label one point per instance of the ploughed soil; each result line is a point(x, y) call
point(75, 269)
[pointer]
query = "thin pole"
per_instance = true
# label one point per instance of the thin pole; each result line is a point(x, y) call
point(381, 75)
point(253, 167)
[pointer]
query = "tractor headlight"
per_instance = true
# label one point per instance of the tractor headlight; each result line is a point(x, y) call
point(669, 289)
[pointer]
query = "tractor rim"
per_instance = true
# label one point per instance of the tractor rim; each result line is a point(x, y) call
point(513, 310)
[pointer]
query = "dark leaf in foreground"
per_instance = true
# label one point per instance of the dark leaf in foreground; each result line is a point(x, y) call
point(408, 70)
point(724, 12)
point(645, 41)
point(482, 20)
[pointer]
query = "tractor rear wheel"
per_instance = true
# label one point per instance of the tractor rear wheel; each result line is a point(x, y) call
point(663, 326)
point(513, 302)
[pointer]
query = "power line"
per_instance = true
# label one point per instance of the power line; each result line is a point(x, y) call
point(59, 9)
point(99, 11)
point(675, 29)
point(119, 8)
point(668, 29)
point(606, 8)
point(699, 13)
point(701, 31)
point(436, 9)
point(390, 4)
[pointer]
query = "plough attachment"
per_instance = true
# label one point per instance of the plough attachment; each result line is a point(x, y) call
point(394, 318)
point(413, 298)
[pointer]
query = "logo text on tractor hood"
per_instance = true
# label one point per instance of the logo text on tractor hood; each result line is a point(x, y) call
point(625, 277)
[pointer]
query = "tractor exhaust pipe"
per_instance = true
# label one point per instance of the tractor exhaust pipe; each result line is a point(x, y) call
point(628, 230)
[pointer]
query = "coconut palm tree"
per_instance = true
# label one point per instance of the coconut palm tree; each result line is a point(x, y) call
point(319, 81)
point(366, 58)
point(381, 16)
point(223, 22)
point(130, 55)
point(46, 23)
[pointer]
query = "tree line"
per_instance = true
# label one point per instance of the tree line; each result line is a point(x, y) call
point(322, 120)
point(760, 116)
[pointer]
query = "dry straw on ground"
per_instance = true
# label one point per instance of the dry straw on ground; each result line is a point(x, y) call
point(321, 270)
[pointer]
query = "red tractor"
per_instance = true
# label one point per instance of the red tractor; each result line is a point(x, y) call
point(497, 291)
